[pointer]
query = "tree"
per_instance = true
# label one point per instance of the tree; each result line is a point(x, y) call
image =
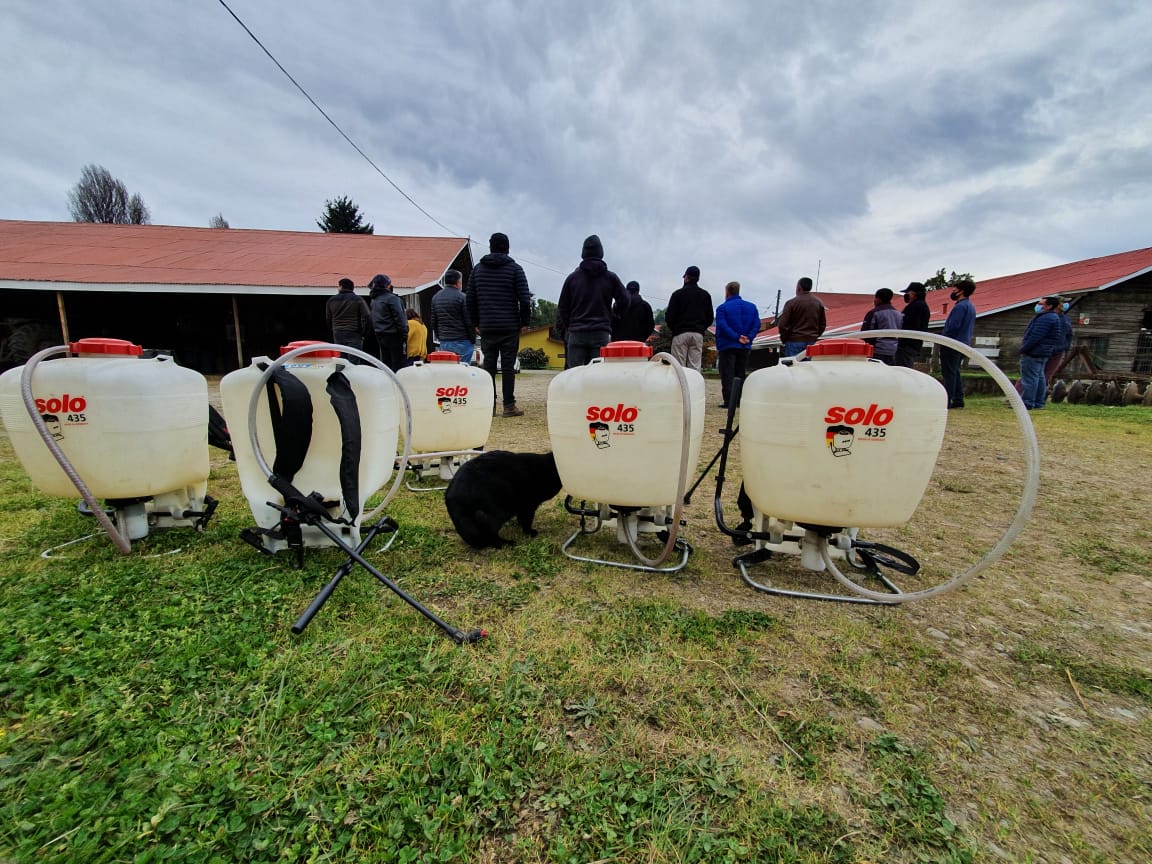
point(939, 280)
point(343, 217)
point(100, 197)
point(543, 312)
point(218, 221)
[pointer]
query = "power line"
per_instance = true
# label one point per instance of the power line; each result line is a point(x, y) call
point(333, 122)
point(353, 144)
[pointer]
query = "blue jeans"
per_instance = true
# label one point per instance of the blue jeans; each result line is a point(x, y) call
point(583, 346)
point(950, 372)
point(791, 349)
point(1033, 386)
point(462, 348)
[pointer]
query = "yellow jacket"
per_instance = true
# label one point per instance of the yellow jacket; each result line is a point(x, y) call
point(417, 340)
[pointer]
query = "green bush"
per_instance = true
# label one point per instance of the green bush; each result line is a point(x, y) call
point(533, 358)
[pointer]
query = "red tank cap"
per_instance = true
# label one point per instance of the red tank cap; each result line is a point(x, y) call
point(443, 357)
point(840, 348)
point(100, 345)
point(626, 349)
point(300, 343)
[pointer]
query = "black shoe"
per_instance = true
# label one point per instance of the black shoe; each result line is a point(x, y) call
point(723, 404)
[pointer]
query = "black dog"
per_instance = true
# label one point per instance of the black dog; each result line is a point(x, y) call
point(495, 486)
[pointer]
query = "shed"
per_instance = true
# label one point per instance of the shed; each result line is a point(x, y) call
point(1111, 312)
point(214, 297)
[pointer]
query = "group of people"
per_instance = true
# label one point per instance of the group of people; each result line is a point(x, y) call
point(802, 323)
point(497, 305)
point(1046, 342)
point(401, 335)
point(596, 307)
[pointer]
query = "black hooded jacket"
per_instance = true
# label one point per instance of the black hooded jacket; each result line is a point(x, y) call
point(587, 296)
point(498, 298)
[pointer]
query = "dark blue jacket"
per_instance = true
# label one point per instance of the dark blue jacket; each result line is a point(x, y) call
point(498, 297)
point(961, 321)
point(1044, 336)
point(736, 317)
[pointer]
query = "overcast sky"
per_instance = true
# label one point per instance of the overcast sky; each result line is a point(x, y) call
point(868, 142)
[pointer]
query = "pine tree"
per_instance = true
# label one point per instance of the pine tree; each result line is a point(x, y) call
point(343, 217)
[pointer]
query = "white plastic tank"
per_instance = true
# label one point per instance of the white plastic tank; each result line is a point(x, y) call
point(131, 427)
point(451, 403)
point(840, 440)
point(616, 427)
point(377, 401)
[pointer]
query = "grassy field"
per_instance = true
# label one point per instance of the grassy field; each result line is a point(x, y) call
point(156, 706)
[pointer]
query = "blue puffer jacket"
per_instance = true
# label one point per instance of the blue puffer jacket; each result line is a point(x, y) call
point(736, 317)
point(1044, 336)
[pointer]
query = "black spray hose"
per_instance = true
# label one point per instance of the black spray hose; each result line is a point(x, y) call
point(119, 540)
point(729, 434)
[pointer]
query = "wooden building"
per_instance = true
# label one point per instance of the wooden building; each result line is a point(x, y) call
point(213, 297)
point(1111, 314)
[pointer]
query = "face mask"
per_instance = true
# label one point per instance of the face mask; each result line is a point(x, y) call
point(1065, 306)
point(1039, 307)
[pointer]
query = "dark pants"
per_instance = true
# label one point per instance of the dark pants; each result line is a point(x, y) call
point(907, 355)
point(583, 346)
point(733, 363)
point(503, 345)
point(393, 350)
point(950, 372)
point(349, 340)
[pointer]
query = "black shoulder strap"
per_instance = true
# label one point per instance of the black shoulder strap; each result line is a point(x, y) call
point(291, 421)
point(348, 413)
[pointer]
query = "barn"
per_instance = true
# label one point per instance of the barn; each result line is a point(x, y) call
point(1110, 308)
point(213, 297)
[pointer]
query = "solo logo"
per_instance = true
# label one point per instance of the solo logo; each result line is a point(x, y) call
point(458, 390)
point(873, 415)
point(612, 413)
point(66, 404)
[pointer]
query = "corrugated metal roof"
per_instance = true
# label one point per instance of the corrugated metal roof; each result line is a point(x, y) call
point(81, 256)
point(845, 312)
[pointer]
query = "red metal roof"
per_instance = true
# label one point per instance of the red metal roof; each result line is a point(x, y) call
point(81, 254)
point(845, 312)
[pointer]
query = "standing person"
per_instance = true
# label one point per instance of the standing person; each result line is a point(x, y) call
point(417, 347)
point(737, 323)
point(688, 316)
point(584, 313)
point(1056, 359)
point(450, 320)
point(348, 317)
point(636, 323)
point(1043, 338)
point(389, 322)
point(959, 325)
point(882, 316)
point(802, 320)
point(499, 305)
point(915, 316)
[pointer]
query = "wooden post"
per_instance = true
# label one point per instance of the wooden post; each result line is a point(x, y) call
point(63, 316)
point(236, 326)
